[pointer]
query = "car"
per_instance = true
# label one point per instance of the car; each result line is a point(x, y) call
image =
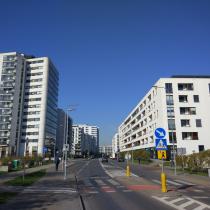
point(121, 159)
point(104, 159)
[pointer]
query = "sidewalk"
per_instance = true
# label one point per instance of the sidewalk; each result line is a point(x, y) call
point(11, 175)
point(197, 179)
point(51, 192)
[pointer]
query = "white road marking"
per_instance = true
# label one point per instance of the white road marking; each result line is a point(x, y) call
point(127, 191)
point(156, 181)
point(202, 197)
point(115, 172)
point(113, 182)
point(50, 190)
point(93, 192)
point(184, 182)
point(196, 190)
point(82, 168)
point(189, 202)
point(120, 186)
point(173, 183)
point(100, 182)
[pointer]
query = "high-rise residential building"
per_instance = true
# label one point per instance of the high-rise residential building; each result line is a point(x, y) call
point(85, 139)
point(28, 104)
point(77, 138)
point(61, 133)
point(180, 105)
point(115, 145)
point(105, 150)
point(93, 131)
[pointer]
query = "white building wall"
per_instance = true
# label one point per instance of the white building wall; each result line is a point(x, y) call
point(157, 107)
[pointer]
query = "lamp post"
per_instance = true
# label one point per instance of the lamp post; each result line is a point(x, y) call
point(172, 138)
point(65, 148)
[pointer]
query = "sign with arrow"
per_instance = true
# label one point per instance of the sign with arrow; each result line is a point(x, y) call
point(160, 133)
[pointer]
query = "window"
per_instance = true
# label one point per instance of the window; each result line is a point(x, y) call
point(185, 86)
point(196, 98)
point(187, 110)
point(169, 100)
point(171, 124)
point(172, 137)
point(185, 123)
point(168, 88)
point(190, 135)
point(183, 98)
point(170, 111)
point(198, 123)
point(201, 148)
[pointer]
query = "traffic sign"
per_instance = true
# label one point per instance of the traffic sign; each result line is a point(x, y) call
point(162, 154)
point(160, 133)
point(66, 147)
point(127, 156)
point(161, 144)
point(44, 149)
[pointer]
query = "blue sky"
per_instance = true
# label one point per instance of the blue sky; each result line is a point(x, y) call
point(109, 52)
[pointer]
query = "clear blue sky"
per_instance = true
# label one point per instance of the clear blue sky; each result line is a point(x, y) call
point(109, 52)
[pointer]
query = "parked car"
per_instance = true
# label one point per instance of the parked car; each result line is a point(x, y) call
point(104, 159)
point(121, 159)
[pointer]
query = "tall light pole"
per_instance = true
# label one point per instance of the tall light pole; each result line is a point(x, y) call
point(172, 138)
point(65, 148)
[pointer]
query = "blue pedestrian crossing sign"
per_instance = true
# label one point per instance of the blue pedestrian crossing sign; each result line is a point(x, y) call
point(160, 133)
point(161, 144)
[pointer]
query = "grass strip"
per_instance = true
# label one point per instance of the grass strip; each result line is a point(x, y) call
point(29, 179)
point(5, 196)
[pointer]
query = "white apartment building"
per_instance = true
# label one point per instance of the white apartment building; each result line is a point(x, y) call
point(77, 138)
point(115, 145)
point(28, 104)
point(106, 150)
point(85, 139)
point(92, 131)
point(180, 105)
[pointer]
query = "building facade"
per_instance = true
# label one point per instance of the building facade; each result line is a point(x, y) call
point(180, 105)
point(115, 145)
point(105, 150)
point(85, 139)
point(61, 133)
point(28, 104)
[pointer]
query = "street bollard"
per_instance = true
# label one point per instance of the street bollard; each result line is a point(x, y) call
point(128, 173)
point(163, 182)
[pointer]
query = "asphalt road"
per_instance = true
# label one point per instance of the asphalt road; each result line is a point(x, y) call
point(100, 191)
point(184, 186)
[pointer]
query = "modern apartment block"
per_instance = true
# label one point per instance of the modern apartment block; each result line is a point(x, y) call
point(85, 139)
point(105, 150)
point(61, 134)
point(93, 131)
point(28, 104)
point(180, 105)
point(115, 145)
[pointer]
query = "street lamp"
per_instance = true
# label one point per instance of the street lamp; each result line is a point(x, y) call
point(172, 138)
point(65, 148)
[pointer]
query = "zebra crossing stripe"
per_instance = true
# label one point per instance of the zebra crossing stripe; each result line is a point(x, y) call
point(173, 183)
point(178, 203)
point(100, 182)
point(156, 181)
point(113, 182)
point(184, 182)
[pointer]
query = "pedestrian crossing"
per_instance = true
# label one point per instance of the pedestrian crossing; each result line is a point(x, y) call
point(109, 185)
point(182, 203)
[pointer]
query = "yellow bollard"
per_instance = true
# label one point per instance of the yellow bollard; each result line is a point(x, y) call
point(128, 173)
point(163, 182)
